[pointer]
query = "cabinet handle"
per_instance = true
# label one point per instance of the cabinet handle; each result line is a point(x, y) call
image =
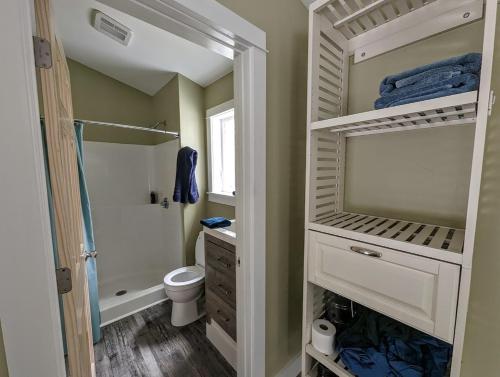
point(368, 253)
point(226, 291)
point(220, 313)
point(220, 260)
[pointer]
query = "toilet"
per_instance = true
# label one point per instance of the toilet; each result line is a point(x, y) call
point(185, 287)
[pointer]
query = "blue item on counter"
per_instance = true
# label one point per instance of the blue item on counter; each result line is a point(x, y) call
point(215, 222)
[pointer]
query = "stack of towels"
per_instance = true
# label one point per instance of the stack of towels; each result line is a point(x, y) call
point(444, 78)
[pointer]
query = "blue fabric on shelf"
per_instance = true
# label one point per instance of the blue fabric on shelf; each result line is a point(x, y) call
point(186, 189)
point(469, 63)
point(215, 222)
point(88, 237)
point(459, 84)
point(377, 346)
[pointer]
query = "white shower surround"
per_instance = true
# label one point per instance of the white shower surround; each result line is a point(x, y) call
point(137, 242)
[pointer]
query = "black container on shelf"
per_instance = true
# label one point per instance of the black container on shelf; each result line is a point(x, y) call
point(338, 310)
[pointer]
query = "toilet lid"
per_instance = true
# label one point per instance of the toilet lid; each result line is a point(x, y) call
point(184, 278)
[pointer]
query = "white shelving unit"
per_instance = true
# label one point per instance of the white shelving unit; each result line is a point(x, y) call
point(416, 273)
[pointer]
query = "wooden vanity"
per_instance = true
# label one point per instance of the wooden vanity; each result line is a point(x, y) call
point(220, 283)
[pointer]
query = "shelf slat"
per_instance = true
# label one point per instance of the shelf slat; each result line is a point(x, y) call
point(328, 361)
point(458, 109)
point(431, 241)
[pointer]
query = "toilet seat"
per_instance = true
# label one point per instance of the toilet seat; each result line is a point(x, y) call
point(184, 278)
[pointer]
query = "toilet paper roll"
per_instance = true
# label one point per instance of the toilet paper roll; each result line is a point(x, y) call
point(323, 336)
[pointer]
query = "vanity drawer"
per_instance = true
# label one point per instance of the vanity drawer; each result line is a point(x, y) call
point(222, 285)
point(220, 258)
point(418, 291)
point(221, 313)
point(217, 241)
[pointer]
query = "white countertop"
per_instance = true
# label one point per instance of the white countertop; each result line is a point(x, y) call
point(225, 234)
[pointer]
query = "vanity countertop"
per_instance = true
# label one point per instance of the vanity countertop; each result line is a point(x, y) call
point(226, 234)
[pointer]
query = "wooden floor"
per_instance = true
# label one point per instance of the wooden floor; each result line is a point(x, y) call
point(147, 345)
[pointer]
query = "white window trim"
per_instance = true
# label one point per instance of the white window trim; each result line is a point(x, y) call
point(216, 197)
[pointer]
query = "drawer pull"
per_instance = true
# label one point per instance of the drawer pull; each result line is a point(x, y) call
point(220, 313)
point(221, 261)
point(227, 292)
point(368, 253)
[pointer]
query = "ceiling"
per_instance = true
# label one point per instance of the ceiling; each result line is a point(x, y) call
point(151, 59)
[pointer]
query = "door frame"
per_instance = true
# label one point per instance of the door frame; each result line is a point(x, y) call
point(206, 23)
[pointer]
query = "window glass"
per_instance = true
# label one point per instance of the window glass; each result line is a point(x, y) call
point(222, 149)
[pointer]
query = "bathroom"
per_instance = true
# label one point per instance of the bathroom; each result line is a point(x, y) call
point(139, 105)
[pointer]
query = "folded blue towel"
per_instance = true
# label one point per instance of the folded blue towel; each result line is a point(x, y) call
point(215, 222)
point(455, 85)
point(469, 63)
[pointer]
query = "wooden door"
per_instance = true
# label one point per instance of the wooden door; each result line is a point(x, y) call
point(61, 147)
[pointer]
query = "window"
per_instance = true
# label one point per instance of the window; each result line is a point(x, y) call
point(221, 154)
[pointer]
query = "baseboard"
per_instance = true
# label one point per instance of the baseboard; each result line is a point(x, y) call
point(223, 342)
point(292, 369)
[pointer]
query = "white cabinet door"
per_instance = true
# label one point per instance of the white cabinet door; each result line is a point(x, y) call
point(418, 291)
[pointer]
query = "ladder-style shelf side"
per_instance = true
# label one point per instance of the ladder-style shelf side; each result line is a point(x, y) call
point(432, 241)
point(458, 109)
point(332, 362)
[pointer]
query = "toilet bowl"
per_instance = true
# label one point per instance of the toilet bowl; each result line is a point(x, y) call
point(185, 287)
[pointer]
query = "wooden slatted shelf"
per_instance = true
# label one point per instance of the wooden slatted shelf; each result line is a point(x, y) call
point(458, 109)
point(432, 241)
point(353, 18)
point(332, 362)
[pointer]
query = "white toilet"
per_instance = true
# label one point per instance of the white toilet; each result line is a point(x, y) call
point(185, 287)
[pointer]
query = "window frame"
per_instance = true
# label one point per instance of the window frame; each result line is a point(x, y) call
point(217, 197)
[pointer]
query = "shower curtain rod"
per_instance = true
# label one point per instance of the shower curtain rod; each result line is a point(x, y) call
point(154, 128)
point(119, 125)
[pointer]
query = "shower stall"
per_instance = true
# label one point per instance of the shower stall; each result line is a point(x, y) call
point(137, 242)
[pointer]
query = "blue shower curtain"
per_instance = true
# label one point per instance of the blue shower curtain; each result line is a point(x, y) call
point(88, 237)
point(88, 234)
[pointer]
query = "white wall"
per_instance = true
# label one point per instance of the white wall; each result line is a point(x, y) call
point(136, 241)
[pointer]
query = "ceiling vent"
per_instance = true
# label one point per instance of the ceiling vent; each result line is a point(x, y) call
point(112, 28)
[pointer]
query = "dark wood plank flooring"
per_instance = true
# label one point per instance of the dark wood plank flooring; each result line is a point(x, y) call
point(147, 345)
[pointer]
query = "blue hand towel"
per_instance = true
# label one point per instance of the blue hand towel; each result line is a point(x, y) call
point(215, 222)
point(455, 85)
point(469, 63)
point(186, 190)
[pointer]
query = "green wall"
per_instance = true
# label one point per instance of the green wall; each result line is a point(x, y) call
point(433, 170)
point(216, 93)
point(3, 362)
point(99, 97)
point(192, 128)
point(285, 23)
point(482, 340)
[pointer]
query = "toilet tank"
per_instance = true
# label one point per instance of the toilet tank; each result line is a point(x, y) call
point(200, 249)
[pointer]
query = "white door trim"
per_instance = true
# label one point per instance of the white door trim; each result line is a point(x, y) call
point(208, 24)
point(29, 308)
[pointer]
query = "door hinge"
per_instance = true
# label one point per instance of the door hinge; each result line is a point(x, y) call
point(43, 53)
point(491, 103)
point(63, 279)
point(239, 262)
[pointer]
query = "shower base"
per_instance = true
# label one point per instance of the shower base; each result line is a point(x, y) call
point(122, 297)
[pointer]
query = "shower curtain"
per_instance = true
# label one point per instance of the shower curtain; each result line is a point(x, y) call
point(88, 238)
point(88, 234)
